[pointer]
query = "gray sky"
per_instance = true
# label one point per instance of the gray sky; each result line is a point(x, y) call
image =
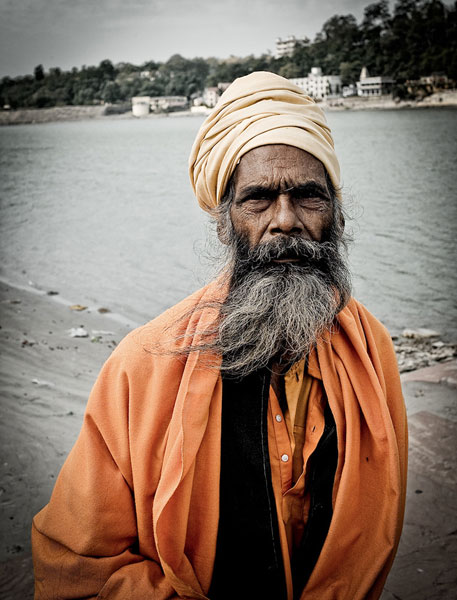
point(67, 33)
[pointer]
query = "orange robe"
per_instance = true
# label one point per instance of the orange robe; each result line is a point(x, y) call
point(134, 513)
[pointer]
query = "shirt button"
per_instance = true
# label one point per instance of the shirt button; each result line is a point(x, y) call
point(285, 457)
point(278, 418)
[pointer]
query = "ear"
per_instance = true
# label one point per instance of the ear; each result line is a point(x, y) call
point(342, 221)
point(223, 213)
point(222, 232)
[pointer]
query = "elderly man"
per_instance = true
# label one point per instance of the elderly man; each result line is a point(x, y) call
point(250, 442)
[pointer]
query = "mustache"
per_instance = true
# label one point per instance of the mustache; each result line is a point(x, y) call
point(304, 253)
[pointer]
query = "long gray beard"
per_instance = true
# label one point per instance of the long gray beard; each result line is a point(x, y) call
point(279, 311)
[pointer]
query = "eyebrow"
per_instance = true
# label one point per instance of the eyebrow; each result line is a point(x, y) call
point(310, 187)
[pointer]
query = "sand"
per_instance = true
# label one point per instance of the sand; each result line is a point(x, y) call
point(46, 115)
point(45, 379)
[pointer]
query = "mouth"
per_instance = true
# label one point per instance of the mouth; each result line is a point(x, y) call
point(286, 260)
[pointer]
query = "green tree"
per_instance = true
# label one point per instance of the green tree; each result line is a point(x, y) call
point(418, 37)
point(340, 41)
point(111, 92)
point(375, 25)
point(38, 73)
point(106, 70)
point(350, 71)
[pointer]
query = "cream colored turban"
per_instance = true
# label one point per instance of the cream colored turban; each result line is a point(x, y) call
point(257, 110)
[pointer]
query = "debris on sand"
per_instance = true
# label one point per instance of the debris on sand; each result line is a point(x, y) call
point(420, 334)
point(78, 332)
point(78, 307)
point(42, 383)
point(419, 348)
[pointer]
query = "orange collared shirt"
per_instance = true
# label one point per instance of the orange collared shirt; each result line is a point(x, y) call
point(293, 436)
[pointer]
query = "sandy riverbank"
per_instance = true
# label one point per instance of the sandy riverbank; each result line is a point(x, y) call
point(46, 376)
point(78, 113)
point(439, 100)
point(46, 115)
point(33, 116)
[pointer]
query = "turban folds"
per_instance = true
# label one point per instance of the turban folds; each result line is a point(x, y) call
point(259, 109)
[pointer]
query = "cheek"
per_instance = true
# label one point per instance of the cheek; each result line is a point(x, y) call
point(317, 223)
point(249, 224)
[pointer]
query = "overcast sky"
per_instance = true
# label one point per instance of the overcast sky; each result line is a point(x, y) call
point(67, 33)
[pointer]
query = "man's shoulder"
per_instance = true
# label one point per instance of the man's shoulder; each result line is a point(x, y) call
point(359, 311)
point(356, 315)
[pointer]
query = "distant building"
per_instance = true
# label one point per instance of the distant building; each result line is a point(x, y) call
point(223, 85)
point(168, 102)
point(147, 75)
point(374, 86)
point(438, 81)
point(364, 73)
point(429, 84)
point(349, 90)
point(140, 106)
point(287, 46)
point(211, 96)
point(318, 86)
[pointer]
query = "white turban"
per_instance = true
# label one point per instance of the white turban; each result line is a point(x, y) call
point(256, 110)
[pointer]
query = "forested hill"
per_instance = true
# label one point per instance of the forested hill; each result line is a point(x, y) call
point(419, 37)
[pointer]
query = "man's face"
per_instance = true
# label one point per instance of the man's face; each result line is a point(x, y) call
point(286, 269)
point(280, 190)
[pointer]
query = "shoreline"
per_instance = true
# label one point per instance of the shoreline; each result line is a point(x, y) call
point(27, 116)
point(45, 379)
point(445, 99)
point(46, 376)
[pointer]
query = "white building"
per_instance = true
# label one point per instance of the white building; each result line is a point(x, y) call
point(287, 46)
point(168, 102)
point(374, 86)
point(349, 90)
point(147, 75)
point(319, 86)
point(140, 106)
point(211, 96)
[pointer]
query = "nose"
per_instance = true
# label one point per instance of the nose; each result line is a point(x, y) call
point(285, 219)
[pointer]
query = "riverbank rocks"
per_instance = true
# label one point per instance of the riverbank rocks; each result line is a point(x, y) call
point(420, 334)
point(418, 348)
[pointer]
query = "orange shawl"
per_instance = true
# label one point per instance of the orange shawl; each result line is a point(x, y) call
point(134, 513)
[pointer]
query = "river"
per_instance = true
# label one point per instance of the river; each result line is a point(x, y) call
point(102, 211)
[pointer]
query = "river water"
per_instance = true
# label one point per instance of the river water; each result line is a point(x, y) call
point(103, 212)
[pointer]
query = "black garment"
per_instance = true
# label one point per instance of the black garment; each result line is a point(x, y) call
point(321, 475)
point(249, 560)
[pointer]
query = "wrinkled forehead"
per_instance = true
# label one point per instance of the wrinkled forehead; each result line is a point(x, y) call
point(278, 166)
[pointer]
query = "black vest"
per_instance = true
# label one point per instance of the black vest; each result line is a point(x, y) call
point(249, 560)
